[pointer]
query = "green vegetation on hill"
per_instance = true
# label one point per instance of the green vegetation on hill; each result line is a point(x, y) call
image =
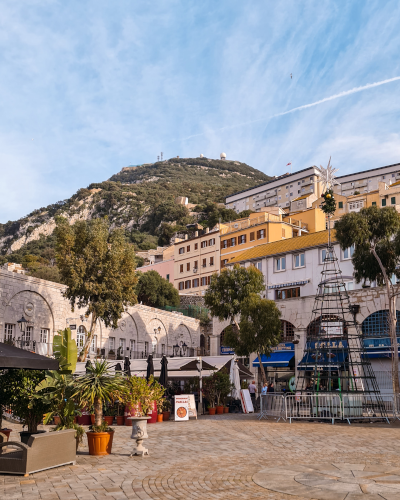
point(142, 201)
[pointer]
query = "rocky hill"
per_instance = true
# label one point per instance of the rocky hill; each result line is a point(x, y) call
point(140, 199)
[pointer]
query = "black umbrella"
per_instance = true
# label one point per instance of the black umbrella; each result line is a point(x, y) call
point(163, 380)
point(14, 357)
point(150, 367)
point(127, 366)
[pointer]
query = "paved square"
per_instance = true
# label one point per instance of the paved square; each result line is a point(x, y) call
point(229, 456)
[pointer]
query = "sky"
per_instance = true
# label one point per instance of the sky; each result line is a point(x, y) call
point(87, 88)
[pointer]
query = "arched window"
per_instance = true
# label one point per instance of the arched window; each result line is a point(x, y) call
point(316, 329)
point(81, 336)
point(287, 331)
point(377, 324)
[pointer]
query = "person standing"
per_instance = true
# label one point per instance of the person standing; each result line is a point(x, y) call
point(264, 390)
point(271, 388)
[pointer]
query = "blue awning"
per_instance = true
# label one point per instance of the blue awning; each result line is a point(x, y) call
point(280, 358)
point(325, 360)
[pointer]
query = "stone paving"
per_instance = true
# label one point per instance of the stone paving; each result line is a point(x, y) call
point(229, 457)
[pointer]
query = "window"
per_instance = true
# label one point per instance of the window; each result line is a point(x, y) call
point(203, 244)
point(287, 293)
point(146, 348)
point(188, 248)
point(162, 348)
point(340, 204)
point(111, 343)
point(121, 347)
point(299, 260)
point(187, 284)
point(291, 194)
point(204, 262)
point(181, 268)
point(298, 183)
point(167, 278)
point(259, 266)
point(188, 266)
point(323, 255)
point(44, 335)
point(224, 244)
point(242, 239)
point(261, 234)
point(223, 263)
point(204, 281)
point(196, 265)
point(8, 331)
point(132, 346)
point(374, 203)
point(196, 283)
point(383, 202)
point(181, 251)
point(81, 336)
point(252, 236)
point(280, 264)
point(181, 285)
point(348, 253)
point(196, 246)
point(283, 233)
point(28, 334)
point(279, 197)
point(211, 261)
point(211, 242)
point(393, 200)
point(349, 285)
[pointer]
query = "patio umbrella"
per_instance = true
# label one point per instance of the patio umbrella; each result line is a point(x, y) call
point(127, 366)
point(235, 379)
point(163, 380)
point(150, 367)
point(14, 357)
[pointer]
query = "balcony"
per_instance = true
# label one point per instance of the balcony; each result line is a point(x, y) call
point(246, 223)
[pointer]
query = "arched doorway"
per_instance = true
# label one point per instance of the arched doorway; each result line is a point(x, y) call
point(377, 324)
point(287, 331)
point(318, 328)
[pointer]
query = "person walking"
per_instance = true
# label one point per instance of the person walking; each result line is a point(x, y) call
point(253, 392)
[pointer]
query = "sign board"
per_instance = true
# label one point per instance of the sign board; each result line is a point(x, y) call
point(192, 406)
point(331, 329)
point(181, 408)
point(226, 350)
point(72, 327)
point(245, 398)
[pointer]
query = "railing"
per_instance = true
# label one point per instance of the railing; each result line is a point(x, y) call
point(244, 224)
point(120, 354)
point(328, 406)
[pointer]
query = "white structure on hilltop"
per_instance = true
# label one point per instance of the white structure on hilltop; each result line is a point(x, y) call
point(223, 156)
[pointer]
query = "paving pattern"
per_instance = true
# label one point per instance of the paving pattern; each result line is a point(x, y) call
point(229, 457)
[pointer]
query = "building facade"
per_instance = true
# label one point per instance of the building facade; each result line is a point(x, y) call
point(141, 330)
point(165, 269)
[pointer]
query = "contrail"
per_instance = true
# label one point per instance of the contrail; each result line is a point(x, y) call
point(299, 108)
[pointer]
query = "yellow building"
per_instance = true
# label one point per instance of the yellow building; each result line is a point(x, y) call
point(265, 227)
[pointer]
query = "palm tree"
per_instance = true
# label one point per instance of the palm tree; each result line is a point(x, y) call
point(98, 386)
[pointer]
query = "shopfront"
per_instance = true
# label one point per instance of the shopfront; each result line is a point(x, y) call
point(279, 367)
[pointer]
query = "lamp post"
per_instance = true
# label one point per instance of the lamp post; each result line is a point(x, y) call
point(180, 349)
point(22, 323)
point(199, 365)
point(157, 331)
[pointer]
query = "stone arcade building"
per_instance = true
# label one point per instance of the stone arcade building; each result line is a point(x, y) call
point(140, 331)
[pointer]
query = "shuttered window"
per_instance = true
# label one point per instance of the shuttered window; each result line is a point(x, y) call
point(252, 236)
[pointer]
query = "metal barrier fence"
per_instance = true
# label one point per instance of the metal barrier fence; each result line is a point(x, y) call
point(328, 406)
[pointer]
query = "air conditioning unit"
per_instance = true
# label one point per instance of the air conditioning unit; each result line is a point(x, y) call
point(195, 269)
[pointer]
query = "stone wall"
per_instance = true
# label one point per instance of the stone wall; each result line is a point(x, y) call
point(191, 300)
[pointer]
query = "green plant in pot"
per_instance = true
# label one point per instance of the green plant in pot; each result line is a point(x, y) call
point(6, 396)
point(98, 386)
point(209, 391)
point(57, 391)
point(166, 409)
point(22, 385)
point(223, 387)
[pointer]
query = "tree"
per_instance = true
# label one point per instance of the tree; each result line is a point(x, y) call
point(260, 329)
point(98, 267)
point(155, 291)
point(228, 291)
point(374, 232)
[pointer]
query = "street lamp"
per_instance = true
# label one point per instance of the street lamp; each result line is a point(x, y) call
point(22, 324)
point(199, 364)
point(176, 349)
point(184, 348)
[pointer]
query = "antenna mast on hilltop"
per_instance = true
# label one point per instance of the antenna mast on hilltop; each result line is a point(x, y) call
point(162, 156)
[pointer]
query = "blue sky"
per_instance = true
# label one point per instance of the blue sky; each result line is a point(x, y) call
point(87, 88)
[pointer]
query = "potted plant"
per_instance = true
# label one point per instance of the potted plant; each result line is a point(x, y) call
point(166, 408)
point(109, 414)
point(120, 413)
point(22, 384)
point(209, 391)
point(57, 390)
point(96, 387)
point(6, 396)
point(160, 416)
point(223, 387)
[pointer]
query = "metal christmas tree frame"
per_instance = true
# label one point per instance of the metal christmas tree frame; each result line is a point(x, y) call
point(334, 359)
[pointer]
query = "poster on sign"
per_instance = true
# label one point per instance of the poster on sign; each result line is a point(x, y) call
point(192, 404)
point(181, 407)
point(247, 404)
point(331, 329)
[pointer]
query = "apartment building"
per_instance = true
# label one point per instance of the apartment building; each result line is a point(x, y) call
point(283, 190)
point(265, 227)
point(195, 261)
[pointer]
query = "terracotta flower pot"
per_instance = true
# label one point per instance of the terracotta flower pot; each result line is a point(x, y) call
point(120, 420)
point(220, 410)
point(226, 409)
point(211, 411)
point(7, 432)
point(160, 417)
point(100, 443)
point(109, 420)
point(166, 415)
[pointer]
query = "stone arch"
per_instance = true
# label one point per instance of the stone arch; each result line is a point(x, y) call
point(10, 313)
point(183, 334)
point(314, 327)
point(287, 331)
point(158, 341)
point(377, 324)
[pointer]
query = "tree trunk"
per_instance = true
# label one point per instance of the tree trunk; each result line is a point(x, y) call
point(392, 332)
point(98, 412)
point(83, 354)
point(263, 376)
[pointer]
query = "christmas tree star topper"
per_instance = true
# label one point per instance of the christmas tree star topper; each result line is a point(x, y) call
point(327, 178)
